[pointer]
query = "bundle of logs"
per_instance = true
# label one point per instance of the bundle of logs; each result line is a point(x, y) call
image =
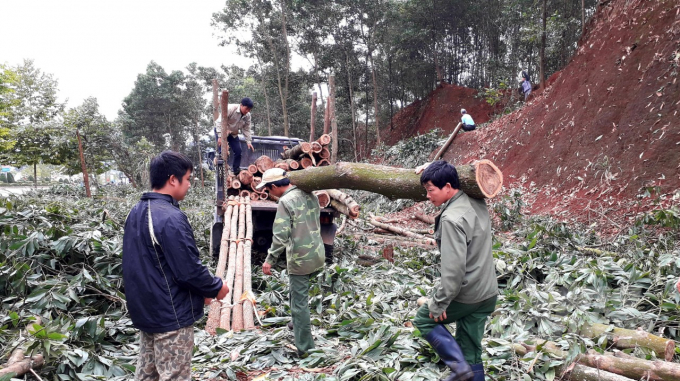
point(237, 309)
point(301, 156)
point(615, 365)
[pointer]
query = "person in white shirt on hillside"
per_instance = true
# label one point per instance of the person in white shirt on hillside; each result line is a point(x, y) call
point(466, 119)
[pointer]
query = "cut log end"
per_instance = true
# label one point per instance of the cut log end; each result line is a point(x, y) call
point(489, 178)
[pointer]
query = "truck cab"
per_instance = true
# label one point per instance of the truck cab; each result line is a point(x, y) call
point(264, 211)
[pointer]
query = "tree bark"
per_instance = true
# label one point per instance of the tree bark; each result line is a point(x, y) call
point(216, 103)
point(266, 97)
point(583, 17)
point(446, 145)
point(312, 119)
point(284, 99)
point(626, 338)
point(297, 151)
point(198, 148)
point(248, 310)
point(351, 105)
point(18, 365)
point(424, 217)
point(346, 199)
point(216, 305)
point(630, 367)
point(394, 229)
point(224, 102)
point(334, 123)
point(230, 240)
point(237, 323)
point(375, 102)
point(86, 179)
point(479, 180)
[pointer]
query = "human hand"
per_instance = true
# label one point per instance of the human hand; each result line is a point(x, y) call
point(677, 285)
point(223, 291)
point(422, 300)
point(267, 268)
point(440, 318)
point(419, 169)
point(207, 301)
point(251, 147)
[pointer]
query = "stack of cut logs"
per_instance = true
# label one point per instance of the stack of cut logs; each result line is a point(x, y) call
point(237, 309)
point(301, 156)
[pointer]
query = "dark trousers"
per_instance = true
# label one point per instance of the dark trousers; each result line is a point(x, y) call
point(299, 310)
point(468, 127)
point(235, 146)
point(470, 320)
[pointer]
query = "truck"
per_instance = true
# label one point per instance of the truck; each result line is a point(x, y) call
point(264, 211)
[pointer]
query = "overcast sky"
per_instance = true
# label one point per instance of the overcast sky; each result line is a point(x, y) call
point(97, 48)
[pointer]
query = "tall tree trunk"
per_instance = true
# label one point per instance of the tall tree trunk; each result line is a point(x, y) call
point(334, 123)
point(35, 174)
point(198, 150)
point(375, 102)
point(266, 97)
point(285, 39)
point(224, 102)
point(283, 92)
point(312, 119)
point(351, 106)
point(86, 178)
point(542, 57)
point(583, 17)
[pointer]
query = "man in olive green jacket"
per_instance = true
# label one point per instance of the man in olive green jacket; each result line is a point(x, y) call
point(467, 291)
point(297, 232)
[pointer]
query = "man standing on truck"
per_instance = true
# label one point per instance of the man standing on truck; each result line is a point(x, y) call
point(238, 119)
point(166, 285)
point(467, 290)
point(297, 232)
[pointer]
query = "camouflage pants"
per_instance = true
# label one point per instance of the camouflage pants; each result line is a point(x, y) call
point(165, 356)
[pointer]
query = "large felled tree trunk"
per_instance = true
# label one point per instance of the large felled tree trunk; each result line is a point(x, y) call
point(479, 180)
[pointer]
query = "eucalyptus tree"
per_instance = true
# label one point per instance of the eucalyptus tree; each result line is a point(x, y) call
point(32, 117)
point(260, 29)
point(8, 79)
point(156, 109)
point(95, 133)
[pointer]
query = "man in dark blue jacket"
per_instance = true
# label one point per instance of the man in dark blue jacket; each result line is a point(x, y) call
point(166, 285)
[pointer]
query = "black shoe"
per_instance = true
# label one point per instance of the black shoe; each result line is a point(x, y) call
point(478, 370)
point(290, 325)
point(448, 349)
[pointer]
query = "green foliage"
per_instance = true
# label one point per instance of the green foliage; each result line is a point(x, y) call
point(508, 209)
point(412, 152)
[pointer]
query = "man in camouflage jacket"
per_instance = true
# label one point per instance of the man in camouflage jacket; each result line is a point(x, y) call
point(297, 232)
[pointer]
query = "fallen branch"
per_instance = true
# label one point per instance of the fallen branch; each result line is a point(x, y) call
point(18, 364)
point(424, 217)
point(401, 231)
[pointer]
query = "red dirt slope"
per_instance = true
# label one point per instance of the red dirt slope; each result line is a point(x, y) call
point(606, 126)
point(441, 109)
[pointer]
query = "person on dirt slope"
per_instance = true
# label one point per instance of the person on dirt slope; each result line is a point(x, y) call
point(467, 290)
point(238, 119)
point(165, 283)
point(297, 233)
point(466, 120)
point(525, 84)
